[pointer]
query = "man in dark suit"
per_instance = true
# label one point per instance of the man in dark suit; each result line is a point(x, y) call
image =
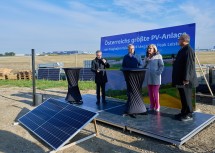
point(184, 77)
point(98, 66)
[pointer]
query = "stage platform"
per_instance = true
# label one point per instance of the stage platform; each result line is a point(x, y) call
point(160, 125)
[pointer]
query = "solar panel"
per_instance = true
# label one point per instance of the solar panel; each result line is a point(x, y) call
point(49, 73)
point(56, 122)
point(87, 75)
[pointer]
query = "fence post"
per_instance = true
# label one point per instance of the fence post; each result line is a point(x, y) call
point(33, 77)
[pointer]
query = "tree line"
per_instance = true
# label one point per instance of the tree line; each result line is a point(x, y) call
point(8, 54)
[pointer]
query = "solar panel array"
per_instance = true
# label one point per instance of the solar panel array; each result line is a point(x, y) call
point(87, 75)
point(56, 122)
point(49, 74)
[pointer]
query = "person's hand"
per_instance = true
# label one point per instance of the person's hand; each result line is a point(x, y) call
point(185, 82)
point(104, 60)
point(147, 59)
point(173, 60)
point(98, 71)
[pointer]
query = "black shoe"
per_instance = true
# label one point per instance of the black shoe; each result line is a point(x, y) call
point(144, 113)
point(186, 118)
point(190, 114)
point(132, 115)
point(79, 102)
point(98, 102)
point(125, 114)
point(71, 102)
point(104, 102)
point(178, 116)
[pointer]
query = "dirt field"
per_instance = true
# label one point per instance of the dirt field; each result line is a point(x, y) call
point(15, 102)
point(24, 62)
point(206, 57)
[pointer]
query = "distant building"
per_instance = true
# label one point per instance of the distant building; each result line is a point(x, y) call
point(20, 55)
point(65, 52)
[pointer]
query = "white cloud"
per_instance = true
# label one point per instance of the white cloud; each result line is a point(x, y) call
point(202, 13)
point(166, 13)
point(145, 9)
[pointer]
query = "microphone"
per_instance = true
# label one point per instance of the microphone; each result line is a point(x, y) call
point(103, 60)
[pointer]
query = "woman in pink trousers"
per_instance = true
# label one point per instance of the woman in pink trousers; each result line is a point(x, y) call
point(154, 64)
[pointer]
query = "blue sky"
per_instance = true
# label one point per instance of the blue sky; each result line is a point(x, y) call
point(51, 25)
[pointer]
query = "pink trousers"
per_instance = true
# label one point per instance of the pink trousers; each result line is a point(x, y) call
point(154, 96)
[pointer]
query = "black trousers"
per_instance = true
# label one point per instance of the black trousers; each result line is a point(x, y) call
point(100, 86)
point(186, 100)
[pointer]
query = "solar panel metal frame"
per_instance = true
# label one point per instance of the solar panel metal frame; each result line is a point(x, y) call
point(60, 147)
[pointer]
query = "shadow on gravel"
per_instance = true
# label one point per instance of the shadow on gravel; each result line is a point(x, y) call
point(23, 95)
point(99, 145)
point(28, 95)
point(21, 113)
point(61, 92)
point(11, 143)
point(22, 101)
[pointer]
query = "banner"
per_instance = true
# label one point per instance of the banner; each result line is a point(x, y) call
point(166, 40)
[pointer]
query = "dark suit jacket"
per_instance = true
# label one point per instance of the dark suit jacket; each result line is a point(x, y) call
point(96, 64)
point(132, 62)
point(184, 67)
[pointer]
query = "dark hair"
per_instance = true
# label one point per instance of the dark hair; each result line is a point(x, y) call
point(98, 51)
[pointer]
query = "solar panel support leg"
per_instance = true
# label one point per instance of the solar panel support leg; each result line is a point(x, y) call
point(16, 123)
point(95, 125)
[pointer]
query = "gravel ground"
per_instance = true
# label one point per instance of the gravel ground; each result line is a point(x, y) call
point(16, 101)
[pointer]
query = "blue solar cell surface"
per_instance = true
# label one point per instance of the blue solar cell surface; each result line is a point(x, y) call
point(56, 122)
point(86, 74)
point(49, 73)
